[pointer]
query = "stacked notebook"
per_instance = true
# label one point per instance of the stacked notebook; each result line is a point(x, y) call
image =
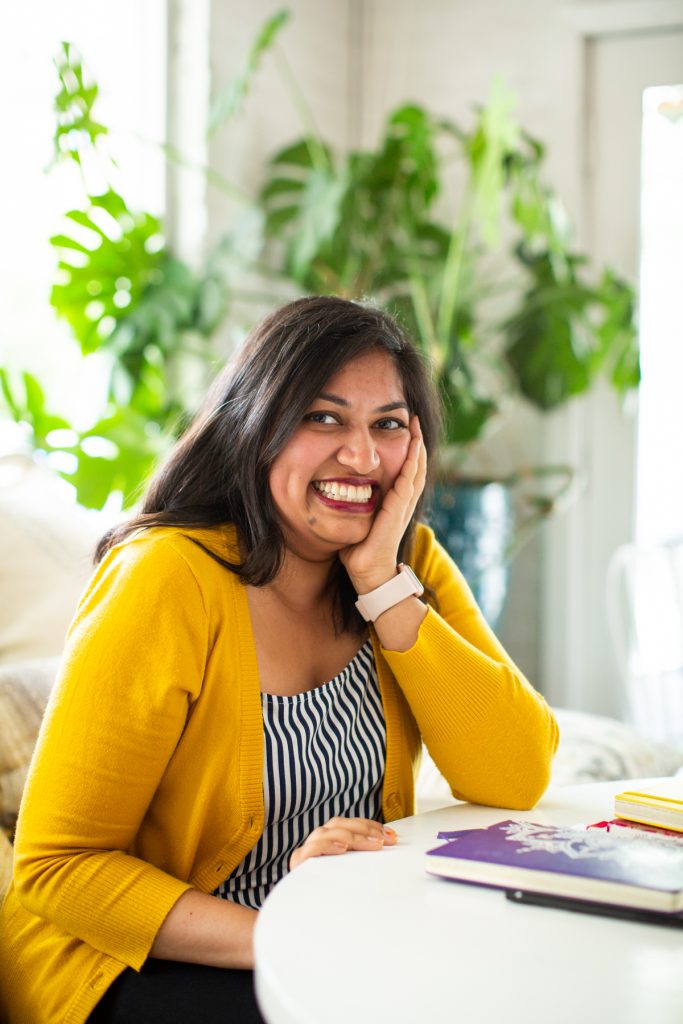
point(619, 867)
point(650, 809)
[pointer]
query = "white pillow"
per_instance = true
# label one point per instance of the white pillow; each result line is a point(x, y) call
point(594, 748)
point(46, 548)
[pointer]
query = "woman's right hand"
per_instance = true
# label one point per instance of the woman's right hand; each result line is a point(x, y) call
point(339, 835)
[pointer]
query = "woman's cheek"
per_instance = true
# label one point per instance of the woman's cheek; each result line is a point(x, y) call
point(393, 458)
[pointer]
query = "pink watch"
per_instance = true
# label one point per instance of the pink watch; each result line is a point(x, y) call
point(404, 584)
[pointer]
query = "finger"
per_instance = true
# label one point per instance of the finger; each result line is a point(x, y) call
point(319, 846)
point(361, 840)
point(366, 825)
point(410, 483)
point(415, 456)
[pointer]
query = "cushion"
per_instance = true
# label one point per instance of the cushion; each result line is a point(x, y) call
point(24, 691)
point(46, 547)
point(5, 863)
point(594, 748)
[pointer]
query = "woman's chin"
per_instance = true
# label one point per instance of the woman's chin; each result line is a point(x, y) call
point(331, 537)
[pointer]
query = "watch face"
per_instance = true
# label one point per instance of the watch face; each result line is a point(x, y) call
point(407, 571)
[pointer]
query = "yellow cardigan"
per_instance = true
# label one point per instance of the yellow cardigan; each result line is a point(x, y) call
point(146, 779)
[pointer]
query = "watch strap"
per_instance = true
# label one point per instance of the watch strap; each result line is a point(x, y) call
point(404, 584)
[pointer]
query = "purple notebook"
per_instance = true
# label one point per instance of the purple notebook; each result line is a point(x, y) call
point(565, 861)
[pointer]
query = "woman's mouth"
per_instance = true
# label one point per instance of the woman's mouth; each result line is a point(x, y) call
point(346, 497)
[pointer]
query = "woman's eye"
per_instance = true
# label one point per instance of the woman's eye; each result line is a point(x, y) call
point(389, 423)
point(320, 417)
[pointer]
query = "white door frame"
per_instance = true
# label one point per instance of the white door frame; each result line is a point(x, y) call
point(568, 646)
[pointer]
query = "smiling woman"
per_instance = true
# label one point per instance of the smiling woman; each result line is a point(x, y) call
point(248, 682)
point(344, 457)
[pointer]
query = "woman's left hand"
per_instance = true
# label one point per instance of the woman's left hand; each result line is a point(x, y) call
point(373, 561)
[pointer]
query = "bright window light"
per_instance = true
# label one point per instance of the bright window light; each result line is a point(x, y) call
point(124, 47)
point(659, 503)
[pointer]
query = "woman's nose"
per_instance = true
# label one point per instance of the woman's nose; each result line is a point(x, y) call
point(359, 452)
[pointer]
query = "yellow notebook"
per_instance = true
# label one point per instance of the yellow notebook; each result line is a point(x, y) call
point(650, 809)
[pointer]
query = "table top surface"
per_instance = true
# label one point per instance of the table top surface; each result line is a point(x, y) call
point(370, 935)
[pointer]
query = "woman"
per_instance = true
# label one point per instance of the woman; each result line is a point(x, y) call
point(248, 680)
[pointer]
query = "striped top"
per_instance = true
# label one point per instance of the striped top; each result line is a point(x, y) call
point(324, 755)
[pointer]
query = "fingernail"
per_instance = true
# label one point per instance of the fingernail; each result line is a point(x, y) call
point(341, 846)
point(389, 831)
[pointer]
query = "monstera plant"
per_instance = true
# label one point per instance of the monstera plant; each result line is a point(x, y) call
point(451, 228)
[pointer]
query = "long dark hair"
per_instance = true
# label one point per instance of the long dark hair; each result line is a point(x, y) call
point(219, 470)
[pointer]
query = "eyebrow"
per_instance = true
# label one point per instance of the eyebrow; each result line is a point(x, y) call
point(337, 400)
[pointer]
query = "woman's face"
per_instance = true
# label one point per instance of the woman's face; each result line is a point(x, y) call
point(329, 480)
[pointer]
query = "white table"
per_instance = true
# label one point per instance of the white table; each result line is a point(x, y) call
point(368, 937)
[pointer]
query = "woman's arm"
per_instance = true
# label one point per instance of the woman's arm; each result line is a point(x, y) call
point(490, 733)
point(201, 929)
point(134, 666)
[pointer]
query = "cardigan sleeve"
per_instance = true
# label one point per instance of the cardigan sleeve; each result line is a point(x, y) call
point(133, 665)
point(489, 732)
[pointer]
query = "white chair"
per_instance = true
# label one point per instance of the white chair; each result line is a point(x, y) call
point(645, 611)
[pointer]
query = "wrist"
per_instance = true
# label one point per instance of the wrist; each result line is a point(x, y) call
point(363, 583)
point(402, 583)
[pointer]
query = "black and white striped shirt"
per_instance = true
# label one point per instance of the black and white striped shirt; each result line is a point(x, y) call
point(324, 756)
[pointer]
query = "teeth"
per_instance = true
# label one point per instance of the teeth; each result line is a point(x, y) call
point(344, 492)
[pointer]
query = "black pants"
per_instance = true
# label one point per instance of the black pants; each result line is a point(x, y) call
point(166, 992)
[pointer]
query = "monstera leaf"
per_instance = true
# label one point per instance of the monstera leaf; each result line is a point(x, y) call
point(106, 262)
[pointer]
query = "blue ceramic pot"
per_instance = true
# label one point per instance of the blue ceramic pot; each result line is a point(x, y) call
point(474, 521)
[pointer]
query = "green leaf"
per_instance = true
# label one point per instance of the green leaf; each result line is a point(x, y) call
point(89, 298)
point(229, 100)
point(545, 357)
point(76, 130)
point(617, 331)
point(465, 412)
point(26, 404)
point(65, 242)
point(137, 451)
point(319, 214)
point(280, 186)
point(297, 154)
point(10, 400)
point(494, 139)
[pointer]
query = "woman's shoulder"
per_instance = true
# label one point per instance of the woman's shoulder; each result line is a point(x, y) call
point(162, 548)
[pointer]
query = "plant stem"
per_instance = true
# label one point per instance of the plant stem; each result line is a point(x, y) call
point(423, 316)
point(451, 274)
point(213, 177)
point(313, 140)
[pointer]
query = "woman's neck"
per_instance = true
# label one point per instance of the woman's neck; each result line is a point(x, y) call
point(303, 585)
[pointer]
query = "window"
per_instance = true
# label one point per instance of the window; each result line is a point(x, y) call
point(124, 47)
point(659, 508)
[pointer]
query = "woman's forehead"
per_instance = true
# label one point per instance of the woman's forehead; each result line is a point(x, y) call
point(374, 371)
